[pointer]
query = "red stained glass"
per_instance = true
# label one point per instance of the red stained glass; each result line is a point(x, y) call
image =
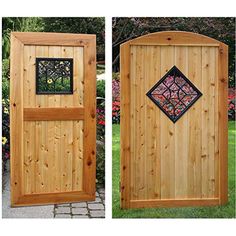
point(174, 94)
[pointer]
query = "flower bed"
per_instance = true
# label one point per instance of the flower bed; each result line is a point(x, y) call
point(115, 98)
point(5, 131)
point(231, 104)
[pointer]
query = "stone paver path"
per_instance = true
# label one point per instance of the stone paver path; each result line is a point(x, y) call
point(94, 209)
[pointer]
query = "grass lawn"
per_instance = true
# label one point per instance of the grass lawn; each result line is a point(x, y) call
point(227, 211)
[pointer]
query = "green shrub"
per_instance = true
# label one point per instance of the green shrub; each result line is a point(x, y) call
point(100, 165)
point(101, 88)
point(5, 79)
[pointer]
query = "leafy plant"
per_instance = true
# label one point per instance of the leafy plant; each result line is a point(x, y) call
point(21, 24)
point(5, 78)
point(5, 132)
point(100, 164)
point(101, 88)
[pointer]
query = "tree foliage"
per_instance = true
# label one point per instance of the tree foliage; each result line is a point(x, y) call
point(22, 24)
point(83, 25)
point(222, 29)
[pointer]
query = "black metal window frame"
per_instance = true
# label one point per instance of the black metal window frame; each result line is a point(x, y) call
point(173, 71)
point(38, 59)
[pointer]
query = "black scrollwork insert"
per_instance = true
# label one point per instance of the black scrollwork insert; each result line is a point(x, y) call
point(54, 76)
point(174, 94)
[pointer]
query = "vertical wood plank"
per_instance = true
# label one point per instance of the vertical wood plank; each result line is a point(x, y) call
point(211, 124)
point(29, 127)
point(133, 99)
point(223, 128)
point(125, 125)
point(150, 121)
point(67, 129)
point(55, 135)
point(156, 134)
point(90, 117)
point(181, 134)
point(139, 165)
point(141, 116)
point(152, 125)
point(40, 100)
point(216, 116)
point(195, 143)
point(205, 120)
point(78, 96)
point(16, 118)
point(167, 135)
point(40, 134)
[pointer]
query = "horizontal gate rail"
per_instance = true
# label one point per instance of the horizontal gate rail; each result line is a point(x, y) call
point(31, 114)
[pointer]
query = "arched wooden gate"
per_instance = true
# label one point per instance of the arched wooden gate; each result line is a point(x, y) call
point(173, 120)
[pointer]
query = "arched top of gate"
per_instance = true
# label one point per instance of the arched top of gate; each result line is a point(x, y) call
point(170, 38)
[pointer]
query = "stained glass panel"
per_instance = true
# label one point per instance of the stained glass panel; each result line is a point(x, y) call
point(174, 94)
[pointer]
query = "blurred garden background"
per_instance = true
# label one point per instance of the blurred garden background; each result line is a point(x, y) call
point(86, 25)
point(124, 29)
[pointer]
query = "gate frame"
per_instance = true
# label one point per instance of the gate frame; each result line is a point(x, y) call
point(172, 38)
point(17, 115)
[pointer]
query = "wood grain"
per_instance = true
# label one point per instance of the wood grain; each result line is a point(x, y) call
point(167, 135)
point(53, 136)
point(151, 203)
point(53, 113)
point(166, 164)
point(181, 134)
point(16, 118)
point(223, 127)
point(53, 39)
point(195, 121)
point(29, 127)
point(89, 142)
point(181, 38)
point(125, 125)
point(78, 126)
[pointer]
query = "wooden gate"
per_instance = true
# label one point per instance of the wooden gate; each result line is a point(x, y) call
point(52, 118)
point(173, 121)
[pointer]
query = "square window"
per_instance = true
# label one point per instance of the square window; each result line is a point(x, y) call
point(54, 76)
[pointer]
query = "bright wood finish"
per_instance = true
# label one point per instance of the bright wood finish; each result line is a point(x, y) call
point(54, 39)
point(165, 163)
point(53, 154)
point(125, 126)
point(175, 38)
point(16, 114)
point(90, 117)
point(53, 113)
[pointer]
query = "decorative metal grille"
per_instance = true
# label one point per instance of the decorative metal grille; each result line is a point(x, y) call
point(174, 94)
point(54, 76)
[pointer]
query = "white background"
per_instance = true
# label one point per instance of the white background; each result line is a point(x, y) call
point(109, 9)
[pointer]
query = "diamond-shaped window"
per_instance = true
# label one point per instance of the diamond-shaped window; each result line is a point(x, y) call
point(174, 94)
